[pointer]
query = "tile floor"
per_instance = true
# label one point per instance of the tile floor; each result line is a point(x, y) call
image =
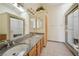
point(56, 49)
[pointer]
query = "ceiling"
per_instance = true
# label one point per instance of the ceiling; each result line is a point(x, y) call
point(47, 6)
point(34, 6)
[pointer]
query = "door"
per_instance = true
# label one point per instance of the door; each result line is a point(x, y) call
point(70, 29)
point(73, 29)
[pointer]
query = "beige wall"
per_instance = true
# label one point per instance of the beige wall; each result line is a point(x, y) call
point(56, 22)
point(26, 16)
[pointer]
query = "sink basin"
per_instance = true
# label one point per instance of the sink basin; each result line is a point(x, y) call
point(17, 50)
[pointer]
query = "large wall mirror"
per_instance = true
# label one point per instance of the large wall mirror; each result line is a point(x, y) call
point(16, 28)
point(32, 24)
point(36, 25)
point(40, 25)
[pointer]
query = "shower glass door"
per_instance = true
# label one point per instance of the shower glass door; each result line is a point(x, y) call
point(70, 29)
point(73, 28)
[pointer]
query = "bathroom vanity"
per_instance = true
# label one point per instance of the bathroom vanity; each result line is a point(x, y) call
point(25, 46)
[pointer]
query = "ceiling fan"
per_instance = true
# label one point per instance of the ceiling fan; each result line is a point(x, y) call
point(40, 8)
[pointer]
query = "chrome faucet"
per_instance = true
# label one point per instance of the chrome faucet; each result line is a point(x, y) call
point(9, 43)
point(12, 42)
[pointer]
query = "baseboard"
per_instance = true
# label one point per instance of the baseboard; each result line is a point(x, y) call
point(55, 41)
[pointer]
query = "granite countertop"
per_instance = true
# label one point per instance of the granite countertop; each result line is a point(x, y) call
point(35, 40)
point(31, 41)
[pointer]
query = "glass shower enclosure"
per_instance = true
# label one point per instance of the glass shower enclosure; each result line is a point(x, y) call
point(72, 29)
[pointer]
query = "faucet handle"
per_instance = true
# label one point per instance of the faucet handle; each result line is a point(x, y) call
point(13, 42)
point(10, 43)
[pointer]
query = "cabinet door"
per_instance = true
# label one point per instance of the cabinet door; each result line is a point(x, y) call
point(33, 51)
point(38, 48)
point(45, 39)
point(41, 44)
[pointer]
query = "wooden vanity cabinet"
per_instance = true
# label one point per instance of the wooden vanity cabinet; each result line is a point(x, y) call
point(40, 45)
point(32, 52)
point(37, 49)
